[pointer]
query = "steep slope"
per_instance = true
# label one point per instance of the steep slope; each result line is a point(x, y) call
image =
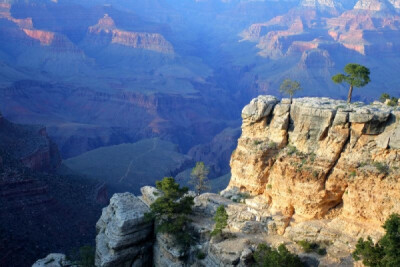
point(30, 145)
point(41, 212)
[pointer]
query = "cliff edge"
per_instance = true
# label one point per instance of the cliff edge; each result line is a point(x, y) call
point(319, 158)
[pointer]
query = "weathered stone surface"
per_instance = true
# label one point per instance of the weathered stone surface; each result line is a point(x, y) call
point(53, 260)
point(259, 108)
point(333, 148)
point(124, 236)
point(149, 194)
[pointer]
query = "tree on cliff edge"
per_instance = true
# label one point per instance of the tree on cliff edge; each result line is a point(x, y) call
point(356, 76)
point(199, 178)
point(290, 87)
point(171, 210)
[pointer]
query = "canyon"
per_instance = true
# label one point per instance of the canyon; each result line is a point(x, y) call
point(315, 169)
point(102, 73)
point(148, 63)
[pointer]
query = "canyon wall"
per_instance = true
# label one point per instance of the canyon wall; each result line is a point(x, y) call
point(319, 158)
point(30, 144)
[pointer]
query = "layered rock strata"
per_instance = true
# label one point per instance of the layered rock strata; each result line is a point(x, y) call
point(124, 237)
point(319, 158)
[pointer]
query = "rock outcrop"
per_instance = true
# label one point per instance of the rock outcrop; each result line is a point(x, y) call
point(53, 260)
point(319, 158)
point(124, 237)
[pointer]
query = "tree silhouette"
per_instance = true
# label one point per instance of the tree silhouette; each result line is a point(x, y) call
point(199, 178)
point(290, 87)
point(356, 76)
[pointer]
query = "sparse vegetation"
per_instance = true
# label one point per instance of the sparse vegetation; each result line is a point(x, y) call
point(272, 145)
point(352, 174)
point(356, 76)
point(200, 255)
point(386, 252)
point(291, 149)
point(384, 97)
point(199, 178)
point(382, 167)
point(86, 254)
point(266, 256)
point(290, 87)
point(171, 210)
point(257, 142)
point(312, 156)
point(220, 219)
point(393, 101)
point(309, 247)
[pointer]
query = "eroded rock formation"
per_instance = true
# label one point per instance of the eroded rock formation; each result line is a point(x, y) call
point(318, 158)
point(124, 237)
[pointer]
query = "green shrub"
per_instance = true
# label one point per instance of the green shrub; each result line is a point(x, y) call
point(386, 252)
point(307, 246)
point(381, 167)
point(86, 255)
point(312, 156)
point(220, 219)
point(384, 97)
point(257, 142)
point(272, 145)
point(352, 174)
point(265, 256)
point(321, 251)
point(200, 255)
point(393, 102)
point(315, 174)
point(269, 186)
point(171, 210)
point(291, 150)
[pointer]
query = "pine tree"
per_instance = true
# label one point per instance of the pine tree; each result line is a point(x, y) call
point(386, 252)
point(221, 220)
point(171, 210)
point(356, 76)
point(199, 178)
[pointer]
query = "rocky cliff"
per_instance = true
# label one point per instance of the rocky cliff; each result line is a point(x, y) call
point(316, 169)
point(319, 158)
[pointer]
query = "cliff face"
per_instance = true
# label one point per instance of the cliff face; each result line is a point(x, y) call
point(30, 145)
point(318, 158)
point(40, 209)
point(105, 32)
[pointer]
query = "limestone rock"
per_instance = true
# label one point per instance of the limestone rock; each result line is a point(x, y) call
point(53, 260)
point(124, 236)
point(149, 194)
point(319, 158)
point(259, 108)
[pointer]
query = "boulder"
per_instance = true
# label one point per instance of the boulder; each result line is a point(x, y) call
point(53, 260)
point(124, 236)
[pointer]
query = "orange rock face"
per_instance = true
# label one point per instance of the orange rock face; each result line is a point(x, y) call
point(140, 40)
point(320, 159)
point(45, 38)
point(364, 29)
